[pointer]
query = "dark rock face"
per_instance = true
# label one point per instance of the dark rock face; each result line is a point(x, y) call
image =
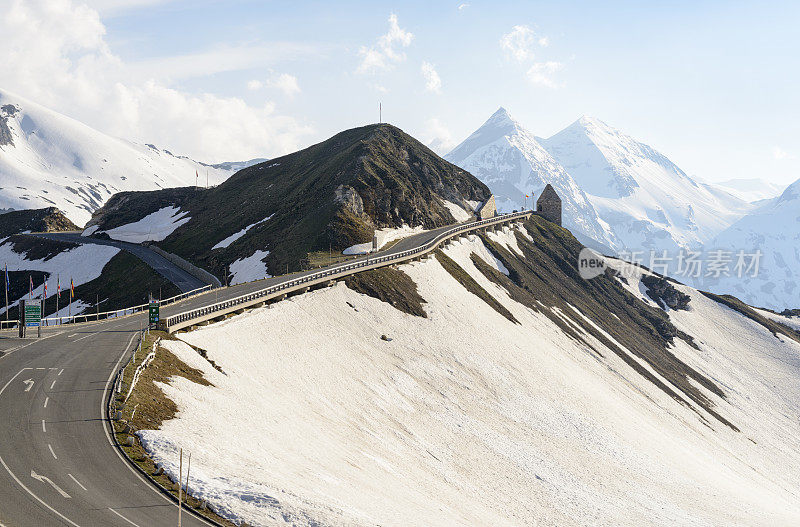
point(664, 293)
point(791, 312)
point(6, 111)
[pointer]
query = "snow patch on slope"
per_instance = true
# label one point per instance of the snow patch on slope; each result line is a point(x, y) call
point(153, 227)
point(235, 236)
point(250, 268)
point(82, 264)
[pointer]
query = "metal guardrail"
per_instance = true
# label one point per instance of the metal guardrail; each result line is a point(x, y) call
point(186, 318)
point(86, 317)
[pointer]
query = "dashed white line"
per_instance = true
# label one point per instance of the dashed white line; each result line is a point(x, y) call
point(87, 336)
point(76, 481)
point(19, 482)
point(51, 451)
point(51, 386)
point(62, 371)
point(44, 428)
point(46, 400)
point(123, 517)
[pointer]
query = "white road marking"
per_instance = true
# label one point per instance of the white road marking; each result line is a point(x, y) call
point(46, 400)
point(29, 383)
point(73, 335)
point(62, 371)
point(44, 428)
point(123, 517)
point(51, 386)
point(87, 336)
point(44, 479)
point(20, 483)
point(51, 451)
point(76, 481)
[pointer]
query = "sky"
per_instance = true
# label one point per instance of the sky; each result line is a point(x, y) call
point(712, 85)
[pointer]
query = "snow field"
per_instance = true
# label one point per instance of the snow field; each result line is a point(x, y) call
point(465, 418)
point(83, 264)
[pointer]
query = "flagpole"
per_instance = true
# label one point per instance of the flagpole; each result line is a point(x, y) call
point(58, 293)
point(6, 288)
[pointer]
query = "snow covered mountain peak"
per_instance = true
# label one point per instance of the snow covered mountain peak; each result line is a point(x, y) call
point(512, 163)
point(48, 159)
point(499, 125)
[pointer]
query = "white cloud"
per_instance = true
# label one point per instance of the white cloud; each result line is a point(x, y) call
point(519, 43)
point(388, 49)
point(285, 83)
point(55, 53)
point(461, 7)
point(432, 80)
point(779, 153)
point(541, 73)
point(438, 137)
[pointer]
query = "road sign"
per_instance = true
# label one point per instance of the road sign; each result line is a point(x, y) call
point(33, 314)
point(154, 312)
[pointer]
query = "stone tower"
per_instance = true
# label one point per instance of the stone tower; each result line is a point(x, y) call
point(548, 206)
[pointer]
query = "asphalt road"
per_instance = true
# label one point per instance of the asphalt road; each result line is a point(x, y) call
point(183, 280)
point(58, 465)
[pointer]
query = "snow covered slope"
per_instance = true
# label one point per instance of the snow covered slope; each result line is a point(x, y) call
point(512, 163)
point(774, 229)
point(467, 417)
point(751, 190)
point(648, 201)
point(48, 159)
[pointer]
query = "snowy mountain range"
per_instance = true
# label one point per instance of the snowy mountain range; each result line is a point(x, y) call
point(511, 161)
point(625, 197)
point(751, 189)
point(615, 190)
point(774, 229)
point(48, 159)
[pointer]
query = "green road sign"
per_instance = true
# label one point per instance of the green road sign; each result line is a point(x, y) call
point(154, 311)
point(33, 314)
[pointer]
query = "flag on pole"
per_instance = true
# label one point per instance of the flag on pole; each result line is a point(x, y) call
point(31, 288)
point(45, 289)
point(71, 289)
point(8, 282)
point(58, 286)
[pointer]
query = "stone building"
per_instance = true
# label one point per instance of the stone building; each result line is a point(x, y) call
point(548, 206)
point(487, 210)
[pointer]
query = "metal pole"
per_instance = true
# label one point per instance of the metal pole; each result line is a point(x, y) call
point(180, 487)
point(5, 286)
point(189, 468)
point(97, 306)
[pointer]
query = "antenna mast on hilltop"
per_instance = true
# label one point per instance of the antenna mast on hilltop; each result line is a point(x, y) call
point(380, 113)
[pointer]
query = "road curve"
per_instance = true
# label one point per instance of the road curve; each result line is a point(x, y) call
point(58, 465)
point(184, 281)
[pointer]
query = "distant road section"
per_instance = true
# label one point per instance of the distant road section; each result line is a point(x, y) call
point(182, 279)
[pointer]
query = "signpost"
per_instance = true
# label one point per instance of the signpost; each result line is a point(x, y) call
point(30, 314)
point(154, 312)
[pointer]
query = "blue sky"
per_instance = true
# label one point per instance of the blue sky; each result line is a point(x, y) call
point(713, 85)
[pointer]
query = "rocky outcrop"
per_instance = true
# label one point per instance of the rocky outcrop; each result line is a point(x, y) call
point(663, 293)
